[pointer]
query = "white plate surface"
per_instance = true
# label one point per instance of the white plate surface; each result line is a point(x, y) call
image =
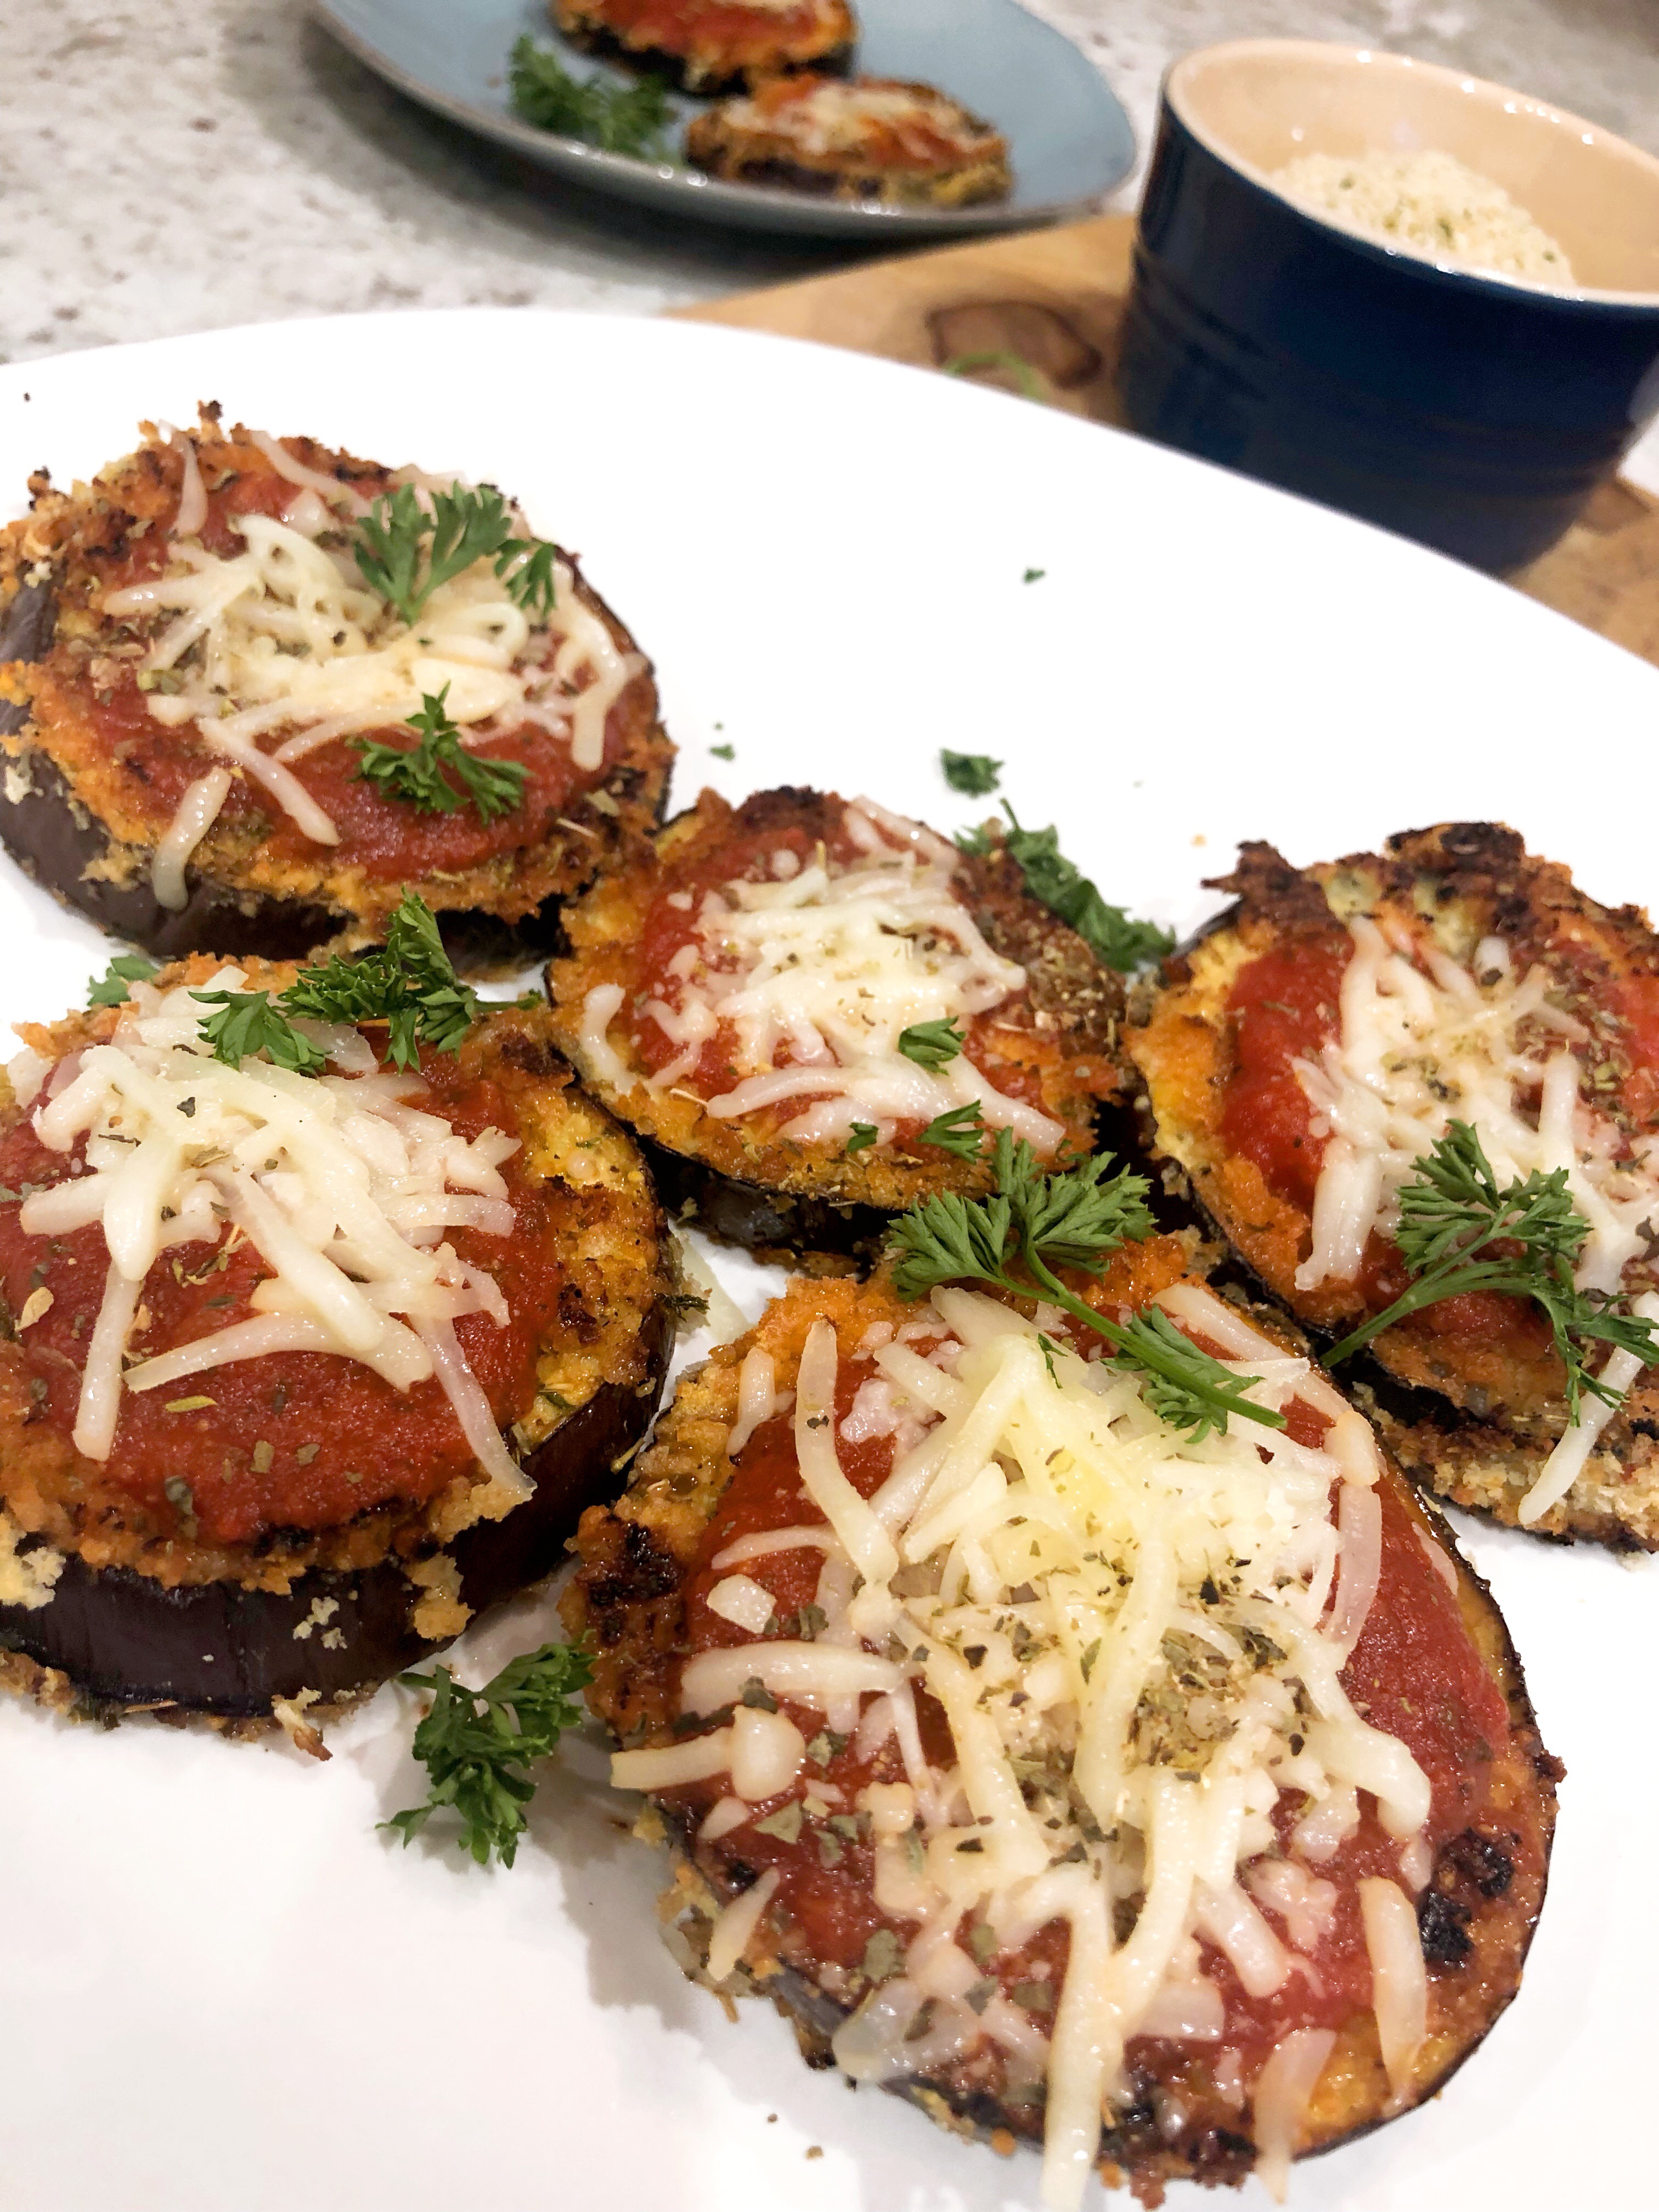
point(219, 1987)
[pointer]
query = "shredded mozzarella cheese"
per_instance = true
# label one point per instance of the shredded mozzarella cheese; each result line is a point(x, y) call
point(817, 974)
point(286, 635)
point(342, 1182)
point(1129, 1613)
point(1425, 1042)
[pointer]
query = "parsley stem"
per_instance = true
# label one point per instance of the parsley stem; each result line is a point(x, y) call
point(1145, 1354)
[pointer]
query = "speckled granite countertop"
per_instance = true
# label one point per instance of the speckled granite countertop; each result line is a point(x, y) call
point(176, 165)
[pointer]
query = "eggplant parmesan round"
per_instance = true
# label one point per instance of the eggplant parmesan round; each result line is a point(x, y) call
point(300, 1370)
point(1176, 1801)
point(811, 1010)
point(873, 138)
point(1306, 1055)
point(705, 44)
point(252, 690)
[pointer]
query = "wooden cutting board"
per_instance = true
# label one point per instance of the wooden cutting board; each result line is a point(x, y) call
point(1039, 313)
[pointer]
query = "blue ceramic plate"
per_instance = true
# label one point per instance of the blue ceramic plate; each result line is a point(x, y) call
point(1070, 140)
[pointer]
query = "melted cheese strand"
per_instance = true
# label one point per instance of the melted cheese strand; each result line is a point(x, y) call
point(1284, 2091)
point(865, 1541)
point(192, 510)
point(1571, 1455)
point(1398, 1979)
point(194, 816)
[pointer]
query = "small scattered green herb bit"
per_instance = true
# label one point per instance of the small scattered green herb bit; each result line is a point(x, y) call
point(111, 987)
point(1062, 887)
point(406, 548)
point(1036, 1222)
point(251, 1022)
point(1452, 1212)
point(974, 773)
point(421, 773)
point(724, 752)
point(408, 983)
point(1006, 362)
point(1033, 575)
point(862, 1136)
point(960, 1130)
point(932, 1045)
point(618, 118)
point(475, 1744)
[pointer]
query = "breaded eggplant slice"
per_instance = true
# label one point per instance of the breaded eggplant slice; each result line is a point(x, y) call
point(706, 44)
point(290, 1525)
point(712, 978)
point(1469, 1392)
point(191, 833)
point(874, 138)
point(717, 1595)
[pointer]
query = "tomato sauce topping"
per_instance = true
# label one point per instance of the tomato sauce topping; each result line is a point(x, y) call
point(294, 1439)
point(748, 856)
point(1414, 1674)
point(703, 26)
point(1285, 1006)
point(388, 838)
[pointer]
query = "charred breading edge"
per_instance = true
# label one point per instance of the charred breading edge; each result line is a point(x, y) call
point(1476, 1917)
point(139, 1619)
point(715, 65)
point(725, 144)
point(777, 1198)
point(1474, 1420)
point(73, 825)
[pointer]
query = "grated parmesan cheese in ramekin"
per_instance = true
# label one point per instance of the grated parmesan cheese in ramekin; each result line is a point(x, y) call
point(1430, 203)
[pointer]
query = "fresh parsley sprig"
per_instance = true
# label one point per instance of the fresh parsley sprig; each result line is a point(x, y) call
point(478, 1744)
point(408, 983)
point(959, 1130)
point(112, 986)
point(421, 773)
point(252, 1022)
point(1061, 886)
point(932, 1045)
point(1460, 1232)
point(405, 548)
point(976, 773)
point(618, 118)
point(1036, 1222)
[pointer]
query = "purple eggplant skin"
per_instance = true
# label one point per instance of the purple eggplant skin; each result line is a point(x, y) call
point(126, 1641)
point(773, 1225)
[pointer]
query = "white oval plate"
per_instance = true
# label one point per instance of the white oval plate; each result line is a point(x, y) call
point(221, 1986)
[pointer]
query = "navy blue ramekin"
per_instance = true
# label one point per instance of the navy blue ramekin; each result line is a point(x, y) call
point(1472, 412)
